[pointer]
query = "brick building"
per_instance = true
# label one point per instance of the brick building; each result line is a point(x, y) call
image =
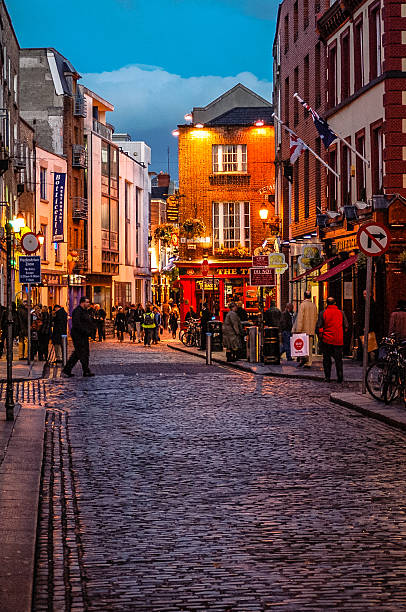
point(226, 172)
point(347, 60)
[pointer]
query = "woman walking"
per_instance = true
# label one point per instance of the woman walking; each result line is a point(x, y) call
point(232, 333)
point(157, 319)
point(120, 324)
point(173, 320)
point(138, 320)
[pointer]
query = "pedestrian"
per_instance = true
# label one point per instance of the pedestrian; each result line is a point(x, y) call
point(100, 321)
point(397, 322)
point(139, 319)
point(131, 323)
point(241, 312)
point(22, 323)
point(59, 329)
point(166, 311)
point(148, 325)
point(272, 316)
point(44, 334)
point(205, 317)
point(120, 324)
point(92, 313)
point(331, 325)
point(36, 324)
point(157, 319)
point(286, 330)
point(82, 328)
point(305, 323)
point(190, 314)
point(173, 320)
point(232, 333)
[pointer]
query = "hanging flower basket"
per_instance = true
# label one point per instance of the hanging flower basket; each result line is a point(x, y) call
point(164, 232)
point(236, 253)
point(194, 228)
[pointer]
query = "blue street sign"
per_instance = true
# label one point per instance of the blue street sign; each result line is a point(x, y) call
point(30, 269)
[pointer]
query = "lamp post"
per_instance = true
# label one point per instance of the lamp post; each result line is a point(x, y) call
point(12, 226)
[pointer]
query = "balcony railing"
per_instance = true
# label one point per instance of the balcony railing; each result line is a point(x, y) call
point(19, 156)
point(79, 156)
point(102, 130)
point(79, 108)
point(79, 208)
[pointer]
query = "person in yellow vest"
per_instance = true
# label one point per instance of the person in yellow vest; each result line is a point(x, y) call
point(148, 325)
point(305, 323)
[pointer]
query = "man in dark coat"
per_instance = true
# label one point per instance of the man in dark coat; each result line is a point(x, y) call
point(272, 316)
point(286, 329)
point(59, 329)
point(83, 326)
point(204, 319)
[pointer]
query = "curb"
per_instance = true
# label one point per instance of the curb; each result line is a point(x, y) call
point(237, 366)
point(384, 418)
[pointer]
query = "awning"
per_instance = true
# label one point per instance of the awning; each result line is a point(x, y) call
point(297, 278)
point(337, 269)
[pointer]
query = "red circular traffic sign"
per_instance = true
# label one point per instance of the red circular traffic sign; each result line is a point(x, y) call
point(30, 242)
point(298, 344)
point(205, 267)
point(373, 239)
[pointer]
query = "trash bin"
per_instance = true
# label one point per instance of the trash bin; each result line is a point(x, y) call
point(215, 328)
point(271, 348)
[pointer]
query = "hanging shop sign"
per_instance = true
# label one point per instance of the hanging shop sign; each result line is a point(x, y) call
point(309, 252)
point(172, 209)
point(58, 206)
point(208, 284)
point(262, 277)
point(260, 261)
point(277, 262)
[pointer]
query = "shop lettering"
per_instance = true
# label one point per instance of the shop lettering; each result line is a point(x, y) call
point(347, 243)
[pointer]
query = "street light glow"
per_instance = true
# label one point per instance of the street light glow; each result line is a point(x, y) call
point(175, 132)
point(17, 223)
point(263, 212)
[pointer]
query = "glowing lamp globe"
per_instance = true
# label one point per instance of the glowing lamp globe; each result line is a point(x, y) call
point(263, 212)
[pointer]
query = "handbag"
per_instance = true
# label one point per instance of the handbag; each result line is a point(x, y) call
point(372, 343)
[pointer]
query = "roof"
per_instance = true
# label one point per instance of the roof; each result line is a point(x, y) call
point(231, 91)
point(104, 104)
point(244, 116)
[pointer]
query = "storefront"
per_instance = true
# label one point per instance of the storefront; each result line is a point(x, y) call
point(99, 291)
point(54, 290)
point(224, 283)
point(76, 288)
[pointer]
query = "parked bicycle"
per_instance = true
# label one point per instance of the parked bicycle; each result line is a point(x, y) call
point(386, 378)
point(191, 335)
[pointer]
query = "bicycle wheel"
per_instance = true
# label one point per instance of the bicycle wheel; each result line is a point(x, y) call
point(374, 380)
point(390, 382)
point(183, 337)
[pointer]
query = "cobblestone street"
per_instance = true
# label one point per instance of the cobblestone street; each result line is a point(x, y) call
point(172, 486)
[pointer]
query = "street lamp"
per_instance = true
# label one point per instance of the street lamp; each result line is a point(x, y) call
point(13, 226)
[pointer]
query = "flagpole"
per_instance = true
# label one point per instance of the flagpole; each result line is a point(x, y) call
point(353, 149)
point(307, 146)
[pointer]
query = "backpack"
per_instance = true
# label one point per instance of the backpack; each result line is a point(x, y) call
point(148, 318)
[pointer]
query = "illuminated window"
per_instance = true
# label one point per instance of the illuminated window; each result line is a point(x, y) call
point(231, 224)
point(229, 158)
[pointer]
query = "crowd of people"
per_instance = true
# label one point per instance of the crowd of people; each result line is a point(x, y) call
point(145, 324)
point(48, 325)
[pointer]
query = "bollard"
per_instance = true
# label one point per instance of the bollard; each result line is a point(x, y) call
point(208, 348)
point(253, 343)
point(64, 343)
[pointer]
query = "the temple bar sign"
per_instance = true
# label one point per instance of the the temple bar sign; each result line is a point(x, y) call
point(262, 277)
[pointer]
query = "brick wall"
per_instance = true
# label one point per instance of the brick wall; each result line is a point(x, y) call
point(195, 168)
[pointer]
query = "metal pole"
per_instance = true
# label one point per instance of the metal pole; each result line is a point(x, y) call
point(261, 293)
point(29, 325)
point(64, 342)
point(366, 322)
point(9, 385)
point(208, 348)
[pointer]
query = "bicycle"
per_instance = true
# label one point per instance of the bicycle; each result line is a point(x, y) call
point(191, 335)
point(386, 378)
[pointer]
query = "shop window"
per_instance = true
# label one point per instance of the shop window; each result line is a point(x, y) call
point(229, 158)
point(231, 225)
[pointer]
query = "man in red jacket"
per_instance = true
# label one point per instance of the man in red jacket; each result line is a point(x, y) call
point(330, 327)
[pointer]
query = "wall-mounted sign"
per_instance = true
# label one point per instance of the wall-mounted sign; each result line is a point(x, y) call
point(29, 269)
point(207, 284)
point(172, 209)
point(262, 277)
point(260, 261)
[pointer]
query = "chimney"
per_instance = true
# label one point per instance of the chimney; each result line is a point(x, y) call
point(163, 179)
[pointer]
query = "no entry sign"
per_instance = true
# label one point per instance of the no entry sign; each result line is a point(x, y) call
point(373, 239)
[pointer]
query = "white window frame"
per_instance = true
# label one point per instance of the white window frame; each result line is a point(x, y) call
point(378, 27)
point(219, 153)
point(221, 211)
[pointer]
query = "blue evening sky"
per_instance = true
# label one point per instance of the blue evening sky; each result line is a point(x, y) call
point(155, 60)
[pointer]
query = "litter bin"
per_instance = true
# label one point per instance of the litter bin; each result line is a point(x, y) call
point(215, 328)
point(271, 348)
point(243, 352)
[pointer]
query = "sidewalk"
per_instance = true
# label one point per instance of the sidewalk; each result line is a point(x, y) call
point(287, 369)
point(21, 370)
point(393, 414)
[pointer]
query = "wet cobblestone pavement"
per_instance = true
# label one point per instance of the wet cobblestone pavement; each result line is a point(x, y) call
point(171, 486)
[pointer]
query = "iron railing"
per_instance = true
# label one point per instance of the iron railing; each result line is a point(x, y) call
point(79, 208)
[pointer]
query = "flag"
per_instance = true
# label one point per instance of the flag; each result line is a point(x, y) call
point(297, 147)
point(327, 135)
